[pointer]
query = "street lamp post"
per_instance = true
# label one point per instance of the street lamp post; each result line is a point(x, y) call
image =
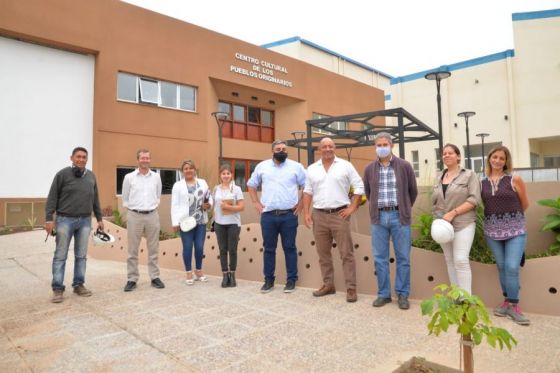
point(482, 136)
point(467, 115)
point(220, 117)
point(298, 135)
point(438, 76)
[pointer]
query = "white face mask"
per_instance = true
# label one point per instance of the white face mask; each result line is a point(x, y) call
point(383, 152)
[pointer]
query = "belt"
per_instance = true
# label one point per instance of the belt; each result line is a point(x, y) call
point(72, 216)
point(145, 212)
point(389, 208)
point(279, 212)
point(332, 211)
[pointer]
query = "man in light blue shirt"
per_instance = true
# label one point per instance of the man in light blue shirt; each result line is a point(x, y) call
point(280, 179)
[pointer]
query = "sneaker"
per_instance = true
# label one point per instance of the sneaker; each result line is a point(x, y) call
point(57, 296)
point(380, 301)
point(290, 286)
point(130, 285)
point(514, 313)
point(403, 302)
point(501, 310)
point(267, 287)
point(82, 291)
point(157, 283)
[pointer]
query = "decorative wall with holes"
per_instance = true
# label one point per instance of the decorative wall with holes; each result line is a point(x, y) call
point(539, 279)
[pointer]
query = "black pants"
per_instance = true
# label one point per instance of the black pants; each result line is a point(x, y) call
point(228, 237)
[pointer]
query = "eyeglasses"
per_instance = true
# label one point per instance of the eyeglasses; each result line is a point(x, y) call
point(53, 233)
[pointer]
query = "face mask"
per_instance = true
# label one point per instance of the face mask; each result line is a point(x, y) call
point(280, 156)
point(383, 152)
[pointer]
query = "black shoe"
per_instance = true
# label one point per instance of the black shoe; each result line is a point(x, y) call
point(156, 282)
point(403, 302)
point(290, 286)
point(225, 280)
point(130, 285)
point(267, 287)
point(232, 282)
point(380, 302)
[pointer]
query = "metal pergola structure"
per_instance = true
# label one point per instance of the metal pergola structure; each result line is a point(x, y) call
point(358, 130)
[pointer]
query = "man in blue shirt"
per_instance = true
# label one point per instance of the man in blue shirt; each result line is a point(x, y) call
point(280, 179)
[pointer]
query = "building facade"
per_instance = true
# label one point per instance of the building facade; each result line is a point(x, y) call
point(115, 78)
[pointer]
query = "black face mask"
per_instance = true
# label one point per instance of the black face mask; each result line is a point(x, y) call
point(78, 172)
point(280, 156)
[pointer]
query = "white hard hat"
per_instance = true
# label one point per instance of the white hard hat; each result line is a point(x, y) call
point(101, 238)
point(187, 223)
point(442, 231)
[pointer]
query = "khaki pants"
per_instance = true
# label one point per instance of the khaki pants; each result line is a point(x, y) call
point(139, 225)
point(327, 227)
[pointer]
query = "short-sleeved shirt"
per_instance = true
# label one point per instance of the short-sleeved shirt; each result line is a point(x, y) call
point(233, 193)
point(279, 183)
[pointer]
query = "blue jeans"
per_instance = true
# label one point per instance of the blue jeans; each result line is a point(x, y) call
point(197, 235)
point(508, 255)
point(66, 229)
point(285, 226)
point(390, 227)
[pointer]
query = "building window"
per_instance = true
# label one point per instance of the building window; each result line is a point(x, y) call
point(168, 178)
point(242, 170)
point(551, 161)
point(248, 122)
point(340, 126)
point(138, 89)
point(416, 163)
point(534, 160)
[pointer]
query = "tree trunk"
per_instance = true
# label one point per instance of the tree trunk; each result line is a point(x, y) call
point(468, 359)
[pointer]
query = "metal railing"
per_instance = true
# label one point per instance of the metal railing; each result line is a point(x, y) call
point(538, 174)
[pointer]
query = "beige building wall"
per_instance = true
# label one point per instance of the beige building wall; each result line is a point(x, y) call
point(515, 95)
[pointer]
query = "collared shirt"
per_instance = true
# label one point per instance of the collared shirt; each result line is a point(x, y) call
point(279, 183)
point(387, 186)
point(141, 192)
point(330, 188)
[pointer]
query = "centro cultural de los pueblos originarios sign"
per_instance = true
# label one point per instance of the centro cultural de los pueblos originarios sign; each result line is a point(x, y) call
point(261, 69)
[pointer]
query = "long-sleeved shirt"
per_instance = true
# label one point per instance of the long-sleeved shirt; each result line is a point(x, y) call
point(141, 192)
point(73, 196)
point(407, 191)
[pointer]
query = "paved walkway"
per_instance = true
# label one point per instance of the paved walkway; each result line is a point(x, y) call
point(207, 328)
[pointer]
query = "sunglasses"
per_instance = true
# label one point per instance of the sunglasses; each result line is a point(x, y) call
point(53, 233)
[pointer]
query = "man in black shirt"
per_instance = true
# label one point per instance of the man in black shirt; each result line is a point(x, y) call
point(73, 196)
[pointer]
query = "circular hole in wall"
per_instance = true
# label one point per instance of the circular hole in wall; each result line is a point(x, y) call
point(250, 260)
point(430, 278)
point(300, 253)
point(356, 246)
point(141, 250)
point(312, 243)
point(366, 258)
point(254, 239)
point(248, 229)
point(203, 256)
point(392, 260)
point(208, 237)
point(334, 245)
point(261, 249)
point(244, 249)
point(176, 254)
point(118, 231)
point(218, 257)
point(163, 253)
point(121, 247)
point(120, 238)
point(552, 290)
point(307, 266)
point(212, 247)
point(375, 273)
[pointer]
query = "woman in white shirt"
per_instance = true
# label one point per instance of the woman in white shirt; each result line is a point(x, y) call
point(190, 197)
point(227, 218)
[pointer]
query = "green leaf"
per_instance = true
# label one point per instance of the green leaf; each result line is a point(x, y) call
point(443, 323)
point(491, 340)
point(551, 225)
point(555, 204)
point(472, 316)
point(427, 307)
point(477, 336)
point(465, 329)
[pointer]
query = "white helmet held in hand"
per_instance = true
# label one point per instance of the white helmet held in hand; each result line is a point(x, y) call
point(442, 231)
point(102, 238)
point(187, 223)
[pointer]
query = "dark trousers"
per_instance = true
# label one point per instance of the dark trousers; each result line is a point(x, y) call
point(286, 226)
point(228, 238)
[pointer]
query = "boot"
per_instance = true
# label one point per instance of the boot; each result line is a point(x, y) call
point(225, 280)
point(232, 282)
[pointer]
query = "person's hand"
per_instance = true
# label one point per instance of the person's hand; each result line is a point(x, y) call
point(206, 205)
point(100, 225)
point(49, 226)
point(308, 221)
point(449, 216)
point(175, 228)
point(258, 206)
point(225, 206)
point(298, 208)
point(344, 213)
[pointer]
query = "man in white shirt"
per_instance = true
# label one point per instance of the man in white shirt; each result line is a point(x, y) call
point(327, 185)
point(141, 193)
